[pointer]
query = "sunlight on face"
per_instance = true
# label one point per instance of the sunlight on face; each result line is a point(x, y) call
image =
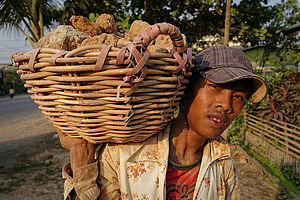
point(214, 106)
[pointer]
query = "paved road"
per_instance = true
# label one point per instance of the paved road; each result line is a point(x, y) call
point(20, 118)
point(16, 108)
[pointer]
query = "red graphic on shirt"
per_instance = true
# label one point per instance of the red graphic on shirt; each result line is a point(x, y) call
point(181, 183)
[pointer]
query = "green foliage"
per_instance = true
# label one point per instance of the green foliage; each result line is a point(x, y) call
point(73, 7)
point(190, 16)
point(176, 112)
point(34, 15)
point(93, 17)
point(286, 57)
point(235, 134)
point(286, 14)
point(252, 21)
point(290, 174)
point(282, 102)
point(276, 170)
point(249, 20)
point(6, 185)
point(194, 18)
point(12, 80)
point(236, 128)
point(49, 173)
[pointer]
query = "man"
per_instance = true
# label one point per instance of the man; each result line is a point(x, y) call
point(11, 93)
point(189, 159)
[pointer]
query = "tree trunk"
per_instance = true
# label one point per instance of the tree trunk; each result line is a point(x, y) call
point(227, 23)
point(35, 19)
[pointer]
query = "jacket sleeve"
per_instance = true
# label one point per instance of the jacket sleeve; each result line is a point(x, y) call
point(231, 179)
point(108, 175)
point(84, 181)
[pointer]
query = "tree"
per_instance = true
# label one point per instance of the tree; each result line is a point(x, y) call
point(249, 20)
point(73, 7)
point(227, 23)
point(194, 18)
point(28, 16)
point(199, 18)
point(288, 14)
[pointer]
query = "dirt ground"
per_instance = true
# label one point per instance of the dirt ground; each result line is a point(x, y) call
point(30, 168)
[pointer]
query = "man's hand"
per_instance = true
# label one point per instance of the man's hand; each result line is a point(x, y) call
point(82, 152)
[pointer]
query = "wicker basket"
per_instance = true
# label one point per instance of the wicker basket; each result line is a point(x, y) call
point(108, 94)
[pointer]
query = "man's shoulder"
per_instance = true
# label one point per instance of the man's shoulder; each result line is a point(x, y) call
point(128, 147)
point(154, 148)
point(151, 140)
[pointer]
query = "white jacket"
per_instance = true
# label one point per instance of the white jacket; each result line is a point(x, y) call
point(138, 171)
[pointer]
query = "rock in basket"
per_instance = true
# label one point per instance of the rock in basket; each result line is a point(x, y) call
point(109, 94)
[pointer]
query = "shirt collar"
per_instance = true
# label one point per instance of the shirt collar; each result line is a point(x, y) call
point(156, 148)
point(217, 149)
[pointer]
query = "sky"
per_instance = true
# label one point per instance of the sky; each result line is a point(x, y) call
point(12, 41)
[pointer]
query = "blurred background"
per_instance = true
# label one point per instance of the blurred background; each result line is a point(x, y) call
point(265, 138)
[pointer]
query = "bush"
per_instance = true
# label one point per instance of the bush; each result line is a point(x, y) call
point(11, 80)
point(235, 134)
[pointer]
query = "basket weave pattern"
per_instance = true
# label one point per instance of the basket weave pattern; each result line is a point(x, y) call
point(109, 94)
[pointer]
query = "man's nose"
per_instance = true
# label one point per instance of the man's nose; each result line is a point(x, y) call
point(224, 100)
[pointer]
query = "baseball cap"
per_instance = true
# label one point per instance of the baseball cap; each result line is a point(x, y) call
point(223, 64)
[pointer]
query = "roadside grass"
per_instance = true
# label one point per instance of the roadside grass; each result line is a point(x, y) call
point(50, 140)
point(8, 184)
point(14, 177)
point(37, 168)
point(274, 169)
point(20, 173)
point(47, 174)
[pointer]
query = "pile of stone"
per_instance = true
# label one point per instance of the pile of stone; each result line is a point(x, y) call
point(103, 31)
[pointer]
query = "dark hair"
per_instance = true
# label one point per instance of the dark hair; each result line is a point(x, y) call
point(192, 82)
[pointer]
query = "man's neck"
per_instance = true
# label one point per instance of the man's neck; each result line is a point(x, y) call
point(186, 146)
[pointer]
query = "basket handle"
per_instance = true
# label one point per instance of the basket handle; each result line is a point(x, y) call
point(32, 59)
point(143, 41)
point(146, 37)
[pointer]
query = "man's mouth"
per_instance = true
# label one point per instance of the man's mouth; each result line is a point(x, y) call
point(218, 120)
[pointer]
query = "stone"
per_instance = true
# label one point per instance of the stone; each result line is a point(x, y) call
point(164, 41)
point(85, 26)
point(104, 38)
point(107, 23)
point(126, 35)
point(124, 42)
point(137, 27)
point(151, 48)
point(161, 50)
point(155, 49)
point(64, 37)
point(47, 162)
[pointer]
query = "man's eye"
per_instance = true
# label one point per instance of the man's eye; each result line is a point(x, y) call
point(240, 98)
point(214, 86)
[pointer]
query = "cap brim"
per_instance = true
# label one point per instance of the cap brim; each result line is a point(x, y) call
point(229, 74)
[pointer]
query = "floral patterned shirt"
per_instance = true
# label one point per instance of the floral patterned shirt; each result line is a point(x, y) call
point(138, 171)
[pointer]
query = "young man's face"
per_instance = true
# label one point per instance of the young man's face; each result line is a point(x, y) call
point(214, 106)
